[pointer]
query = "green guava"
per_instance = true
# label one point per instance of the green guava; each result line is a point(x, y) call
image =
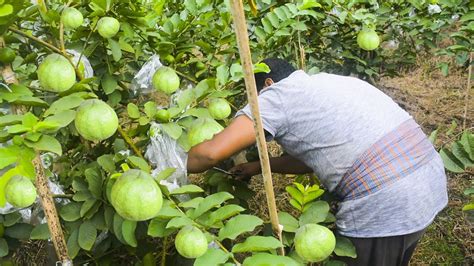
point(203, 129)
point(219, 108)
point(56, 74)
point(368, 39)
point(163, 116)
point(166, 80)
point(96, 120)
point(136, 196)
point(7, 55)
point(108, 27)
point(190, 242)
point(72, 18)
point(314, 242)
point(170, 59)
point(20, 192)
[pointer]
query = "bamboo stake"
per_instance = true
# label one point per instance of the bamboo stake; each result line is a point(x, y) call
point(468, 89)
point(44, 192)
point(238, 15)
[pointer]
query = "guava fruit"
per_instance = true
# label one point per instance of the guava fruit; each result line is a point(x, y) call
point(314, 242)
point(96, 120)
point(7, 55)
point(190, 242)
point(20, 192)
point(56, 74)
point(166, 80)
point(203, 129)
point(163, 116)
point(108, 27)
point(219, 109)
point(136, 196)
point(72, 18)
point(368, 39)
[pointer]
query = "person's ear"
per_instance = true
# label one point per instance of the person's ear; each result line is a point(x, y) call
point(268, 82)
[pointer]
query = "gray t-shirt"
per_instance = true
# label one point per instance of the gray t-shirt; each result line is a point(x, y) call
point(327, 121)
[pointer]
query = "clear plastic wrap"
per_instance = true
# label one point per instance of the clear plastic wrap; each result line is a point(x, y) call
point(164, 152)
point(142, 80)
point(88, 70)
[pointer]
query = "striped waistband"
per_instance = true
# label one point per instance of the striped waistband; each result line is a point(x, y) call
point(394, 156)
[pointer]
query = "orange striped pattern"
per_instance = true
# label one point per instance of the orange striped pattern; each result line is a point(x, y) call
point(391, 158)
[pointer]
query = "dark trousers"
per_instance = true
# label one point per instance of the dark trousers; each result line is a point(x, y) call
point(384, 251)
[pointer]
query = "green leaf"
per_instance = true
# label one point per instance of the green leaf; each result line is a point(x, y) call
point(87, 206)
point(62, 118)
point(433, 136)
point(20, 231)
point(40, 231)
point(139, 162)
point(8, 120)
point(315, 213)
point(128, 232)
point(6, 10)
point(468, 207)
point(467, 141)
point(87, 235)
point(270, 260)
point(295, 204)
point(222, 74)
point(71, 212)
point(150, 109)
point(173, 130)
point(109, 84)
point(225, 212)
point(345, 248)
point(165, 174)
point(3, 247)
point(186, 190)
point(261, 68)
point(9, 155)
point(11, 219)
point(47, 126)
point(193, 203)
point(450, 162)
point(73, 247)
point(106, 161)
point(116, 50)
point(47, 143)
point(29, 120)
point(257, 244)
point(167, 211)
point(18, 129)
point(460, 154)
point(295, 194)
point(94, 180)
point(212, 257)
point(133, 111)
point(185, 98)
point(157, 228)
point(178, 222)
point(289, 223)
point(212, 201)
point(239, 225)
point(307, 4)
point(64, 103)
point(117, 226)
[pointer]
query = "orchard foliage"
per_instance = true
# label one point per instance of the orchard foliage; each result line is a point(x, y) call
point(41, 116)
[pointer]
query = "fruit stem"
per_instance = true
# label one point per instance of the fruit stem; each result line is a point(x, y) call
point(130, 143)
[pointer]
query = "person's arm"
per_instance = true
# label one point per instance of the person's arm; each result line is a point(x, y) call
point(285, 164)
point(237, 136)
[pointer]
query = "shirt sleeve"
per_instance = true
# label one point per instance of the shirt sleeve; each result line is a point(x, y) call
point(271, 111)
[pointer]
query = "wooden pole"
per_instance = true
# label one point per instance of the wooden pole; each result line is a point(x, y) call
point(238, 15)
point(44, 192)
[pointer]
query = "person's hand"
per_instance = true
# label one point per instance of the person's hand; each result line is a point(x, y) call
point(245, 171)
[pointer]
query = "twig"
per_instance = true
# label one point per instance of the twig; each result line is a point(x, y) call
point(468, 89)
point(61, 36)
point(186, 76)
point(129, 141)
point(241, 32)
point(46, 44)
point(163, 251)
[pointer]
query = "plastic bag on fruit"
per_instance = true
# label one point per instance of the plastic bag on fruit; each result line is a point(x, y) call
point(164, 152)
point(142, 80)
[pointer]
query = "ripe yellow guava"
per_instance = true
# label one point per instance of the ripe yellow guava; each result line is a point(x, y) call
point(368, 39)
point(166, 80)
point(72, 18)
point(136, 196)
point(108, 27)
point(56, 74)
point(219, 109)
point(20, 192)
point(96, 120)
point(190, 242)
point(314, 242)
point(203, 129)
